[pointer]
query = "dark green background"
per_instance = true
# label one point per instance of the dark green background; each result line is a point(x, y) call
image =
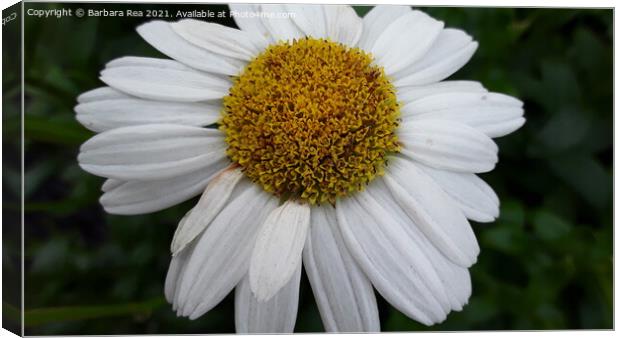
point(545, 264)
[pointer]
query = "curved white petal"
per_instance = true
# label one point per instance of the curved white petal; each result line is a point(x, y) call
point(176, 269)
point(442, 101)
point(212, 201)
point(342, 24)
point(342, 291)
point(474, 197)
point(124, 110)
point(281, 27)
point(432, 211)
point(492, 113)
point(160, 35)
point(405, 41)
point(409, 94)
point(164, 80)
point(151, 152)
point(276, 315)
point(110, 184)
point(141, 61)
point(278, 248)
point(448, 145)
point(222, 254)
point(455, 279)
point(376, 21)
point(100, 94)
point(219, 39)
point(392, 259)
point(247, 18)
point(141, 197)
point(452, 50)
point(309, 18)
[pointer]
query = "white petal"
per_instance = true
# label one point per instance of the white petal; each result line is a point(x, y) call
point(99, 94)
point(222, 254)
point(219, 39)
point(140, 197)
point(452, 50)
point(151, 152)
point(212, 201)
point(161, 36)
point(391, 259)
point(446, 100)
point(175, 271)
point(122, 111)
point(475, 197)
point(343, 24)
point(342, 291)
point(140, 61)
point(414, 93)
point(248, 20)
point(432, 211)
point(276, 315)
point(376, 21)
point(278, 248)
point(455, 279)
point(492, 113)
point(405, 41)
point(448, 145)
point(309, 18)
point(110, 184)
point(166, 82)
point(281, 28)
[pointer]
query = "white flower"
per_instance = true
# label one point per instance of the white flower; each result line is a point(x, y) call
point(312, 109)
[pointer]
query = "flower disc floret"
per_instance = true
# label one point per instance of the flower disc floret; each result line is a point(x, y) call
point(311, 119)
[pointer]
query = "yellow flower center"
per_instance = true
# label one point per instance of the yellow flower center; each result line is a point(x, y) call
point(312, 120)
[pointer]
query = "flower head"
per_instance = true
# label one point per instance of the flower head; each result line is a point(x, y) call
point(338, 145)
point(311, 119)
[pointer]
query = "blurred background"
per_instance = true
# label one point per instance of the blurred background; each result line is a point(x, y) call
point(546, 263)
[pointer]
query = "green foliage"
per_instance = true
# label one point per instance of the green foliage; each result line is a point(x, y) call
point(545, 264)
point(68, 313)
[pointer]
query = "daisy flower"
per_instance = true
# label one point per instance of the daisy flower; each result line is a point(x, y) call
point(316, 138)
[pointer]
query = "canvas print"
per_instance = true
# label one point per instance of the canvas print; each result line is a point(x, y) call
point(289, 168)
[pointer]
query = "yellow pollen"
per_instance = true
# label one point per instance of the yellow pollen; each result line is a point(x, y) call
point(312, 120)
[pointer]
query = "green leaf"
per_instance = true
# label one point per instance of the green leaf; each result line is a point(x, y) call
point(71, 313)
point(512, 212)
point(479, 310)
point(53, 131)
point(567, 128)
point(561, 86)
point(362, 10)
point(586, 175)
point(505, 238)
point(549, 226)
